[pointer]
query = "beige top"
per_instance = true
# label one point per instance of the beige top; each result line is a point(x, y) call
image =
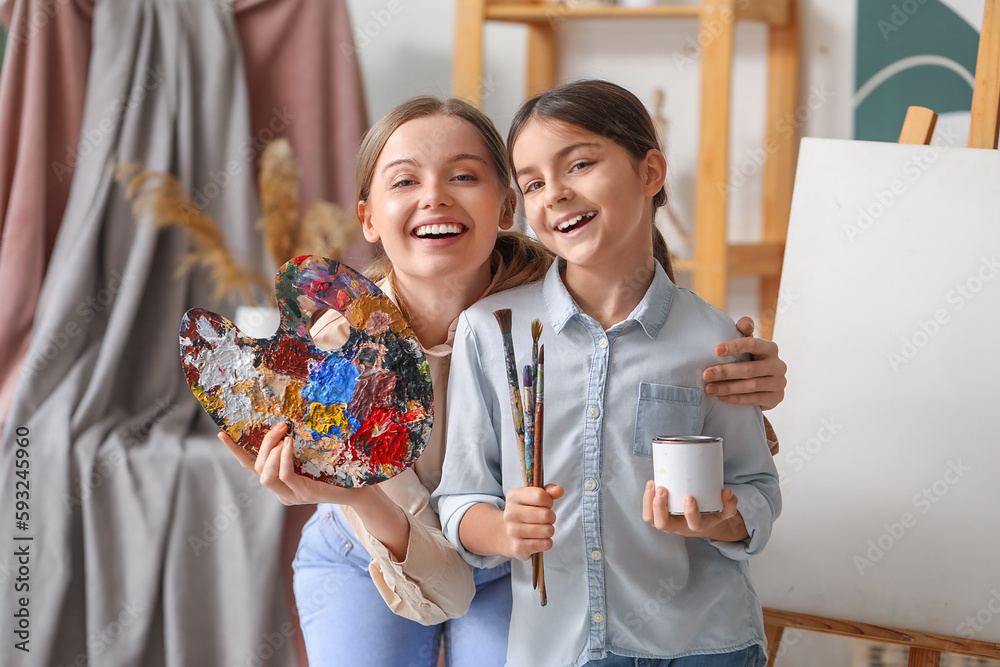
point(433, 584)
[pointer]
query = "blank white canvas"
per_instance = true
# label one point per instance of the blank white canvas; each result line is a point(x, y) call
point(889, 320)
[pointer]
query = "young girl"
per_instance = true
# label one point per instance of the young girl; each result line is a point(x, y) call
point(627, 582)
point(433, 190)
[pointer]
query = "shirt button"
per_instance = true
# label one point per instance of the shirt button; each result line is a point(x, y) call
point(598, 617)
point(590, 484)
point(592, 411)
point(596, 554)
point(603, 343)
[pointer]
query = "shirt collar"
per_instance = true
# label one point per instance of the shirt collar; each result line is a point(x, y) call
point(651, 312)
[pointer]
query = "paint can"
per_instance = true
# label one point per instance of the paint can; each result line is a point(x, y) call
point(689, 465)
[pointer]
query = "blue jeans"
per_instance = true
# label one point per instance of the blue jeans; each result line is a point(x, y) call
point(748, 657)
point(346, 622)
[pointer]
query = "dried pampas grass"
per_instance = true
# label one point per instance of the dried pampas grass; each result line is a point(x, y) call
point(279, 200)
point(325, 231)
point(322, 230)
point(162, 197)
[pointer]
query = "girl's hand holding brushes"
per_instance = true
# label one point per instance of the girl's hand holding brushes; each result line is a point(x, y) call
point(529, 520)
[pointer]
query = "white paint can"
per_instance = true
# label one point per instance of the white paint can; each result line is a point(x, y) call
point(689, 465)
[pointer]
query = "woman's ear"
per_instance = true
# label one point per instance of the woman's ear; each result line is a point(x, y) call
point(508, 211)
point(655, 172)
point(365, 216)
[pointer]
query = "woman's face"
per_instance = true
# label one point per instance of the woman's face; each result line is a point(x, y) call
point(436, 201)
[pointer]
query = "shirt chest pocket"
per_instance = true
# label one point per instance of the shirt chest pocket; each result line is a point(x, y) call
point(664, 409)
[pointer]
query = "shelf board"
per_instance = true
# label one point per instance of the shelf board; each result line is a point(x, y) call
point(555, 13)
point(745, 259)
point(769, 11)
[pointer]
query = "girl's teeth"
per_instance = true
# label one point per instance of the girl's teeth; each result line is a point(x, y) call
point(572, 221)
point(429, 230)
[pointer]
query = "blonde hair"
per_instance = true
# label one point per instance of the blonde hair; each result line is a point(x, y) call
point(611, 111)
point(524, 260)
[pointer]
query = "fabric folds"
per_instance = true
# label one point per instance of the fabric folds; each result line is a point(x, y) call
point(41, 108)
point(149, 545)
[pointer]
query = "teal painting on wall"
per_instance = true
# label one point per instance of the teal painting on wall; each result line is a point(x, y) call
point(911, 53)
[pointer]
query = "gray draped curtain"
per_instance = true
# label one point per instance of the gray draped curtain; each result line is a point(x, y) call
point(146, 543)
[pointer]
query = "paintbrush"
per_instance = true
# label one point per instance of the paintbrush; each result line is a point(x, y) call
point(536, 332)
point(504, 320)
point(538, 473)
point(529, 421)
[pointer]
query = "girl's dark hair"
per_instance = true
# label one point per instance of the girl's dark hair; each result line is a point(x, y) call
point(606, 109)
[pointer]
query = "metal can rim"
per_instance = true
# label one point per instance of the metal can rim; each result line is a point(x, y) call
point(687, 439)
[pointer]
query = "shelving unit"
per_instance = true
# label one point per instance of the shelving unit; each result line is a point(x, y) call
point(714, 259)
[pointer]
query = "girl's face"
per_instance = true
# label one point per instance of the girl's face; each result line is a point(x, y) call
point(436, 200)
point(585, 197)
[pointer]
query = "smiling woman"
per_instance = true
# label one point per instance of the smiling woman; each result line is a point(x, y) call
point(433, 195)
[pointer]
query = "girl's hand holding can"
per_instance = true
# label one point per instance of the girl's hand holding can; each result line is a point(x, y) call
point(726, 525)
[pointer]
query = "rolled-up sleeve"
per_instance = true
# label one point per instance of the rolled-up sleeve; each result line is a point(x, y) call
point(472, 471)
point(749, 471)
point(431, 585)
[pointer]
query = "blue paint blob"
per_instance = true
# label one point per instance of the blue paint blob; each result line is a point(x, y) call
point(331, 381)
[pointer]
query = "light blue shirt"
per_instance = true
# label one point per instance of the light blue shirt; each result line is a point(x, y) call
point(615, 584)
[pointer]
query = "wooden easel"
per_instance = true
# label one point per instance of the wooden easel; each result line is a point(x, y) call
point(918, 127)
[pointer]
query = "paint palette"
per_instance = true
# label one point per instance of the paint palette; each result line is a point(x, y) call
point(357, 415)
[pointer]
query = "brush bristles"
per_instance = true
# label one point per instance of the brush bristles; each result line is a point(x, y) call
point(503, 319)
point(536, 329)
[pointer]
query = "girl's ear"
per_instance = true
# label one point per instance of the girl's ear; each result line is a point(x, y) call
point(509, 208)
point(655, 172)
point(365, 216)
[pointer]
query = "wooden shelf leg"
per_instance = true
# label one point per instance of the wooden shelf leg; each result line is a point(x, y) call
point(541, 74)
point(467, 67)
point(922, 657)
point(773, 634)
point(716, 28)
point(781, 145)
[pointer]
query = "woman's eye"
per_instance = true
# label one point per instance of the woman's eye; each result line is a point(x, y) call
point(403, 182)
point(466, 177)
point(580, 165)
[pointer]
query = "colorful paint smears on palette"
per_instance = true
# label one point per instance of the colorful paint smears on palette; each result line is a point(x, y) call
point(358, 415)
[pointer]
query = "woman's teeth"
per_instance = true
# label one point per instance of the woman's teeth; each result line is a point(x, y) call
point(447, 229)
point(573, 222)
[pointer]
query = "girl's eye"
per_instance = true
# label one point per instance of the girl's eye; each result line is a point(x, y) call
point(466, 177)
point(403, 182)
point(532, 186)
point(581, 165)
